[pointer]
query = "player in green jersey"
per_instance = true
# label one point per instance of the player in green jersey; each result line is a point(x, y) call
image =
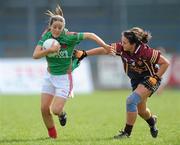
point(57, 84)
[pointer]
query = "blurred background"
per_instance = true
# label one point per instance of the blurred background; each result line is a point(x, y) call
point(23, 21)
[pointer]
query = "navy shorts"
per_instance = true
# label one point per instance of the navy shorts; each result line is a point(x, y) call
point(136, 82)
point(143, 81)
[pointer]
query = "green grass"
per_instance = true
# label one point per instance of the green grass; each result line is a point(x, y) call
point(92, 120)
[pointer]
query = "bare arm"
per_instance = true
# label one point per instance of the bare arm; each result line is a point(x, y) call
point(39, 52)
point(97, 51)
point(81, 54)
point(164, 63)
point(102, 51)
point(97, 39)
point(109, 50)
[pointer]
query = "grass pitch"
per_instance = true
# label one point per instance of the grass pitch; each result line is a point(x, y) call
point(92, 120)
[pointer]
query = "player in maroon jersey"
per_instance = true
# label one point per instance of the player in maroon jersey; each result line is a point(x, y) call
point(140, 63)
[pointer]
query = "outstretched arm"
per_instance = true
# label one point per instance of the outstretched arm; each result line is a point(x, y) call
point(81, 54)
point(97, 51)
point(109, 50)
point(97, 39)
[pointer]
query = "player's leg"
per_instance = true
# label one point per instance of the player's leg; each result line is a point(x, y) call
point(47, 95)
point(46, 100)
point(145, 113)
point(63, 85)
point(131, 114)
point(139, 95)
point(57, 109)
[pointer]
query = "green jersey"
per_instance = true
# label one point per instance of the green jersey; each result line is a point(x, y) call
point(62, 62)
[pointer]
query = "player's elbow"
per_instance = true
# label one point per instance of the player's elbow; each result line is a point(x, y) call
point(167, 63)
point(37, 52)
point(35, 56)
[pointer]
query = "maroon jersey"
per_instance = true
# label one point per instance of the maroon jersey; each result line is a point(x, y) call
point(141, 63)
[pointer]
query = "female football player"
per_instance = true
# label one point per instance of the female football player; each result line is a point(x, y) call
point(140, 64)
point(57, 84)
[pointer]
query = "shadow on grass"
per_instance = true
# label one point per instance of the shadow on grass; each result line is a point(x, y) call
point(23, 140)
point(84, 139)
point(56, 140)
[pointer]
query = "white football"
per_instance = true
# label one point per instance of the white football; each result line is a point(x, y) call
point(49, 43)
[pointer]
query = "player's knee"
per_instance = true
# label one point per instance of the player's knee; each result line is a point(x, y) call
point(56, 110)
point(141, 113)
point(132, 101)
point(144, 113)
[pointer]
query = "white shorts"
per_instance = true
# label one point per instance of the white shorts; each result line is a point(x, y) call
point(58, 85)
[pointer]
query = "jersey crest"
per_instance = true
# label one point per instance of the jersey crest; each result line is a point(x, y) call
point(63, 45)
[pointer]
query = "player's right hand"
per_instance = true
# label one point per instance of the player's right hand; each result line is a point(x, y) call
point(152, 81)
point(110, 50)
point(107, 47)
point(55, 48)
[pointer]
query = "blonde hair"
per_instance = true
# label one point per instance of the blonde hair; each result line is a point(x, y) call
point(56, 15)
point(143, 36)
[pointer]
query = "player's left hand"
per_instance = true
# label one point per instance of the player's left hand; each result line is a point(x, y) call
point(80, 54)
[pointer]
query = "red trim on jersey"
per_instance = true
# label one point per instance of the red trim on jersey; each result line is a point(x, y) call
point(71, 33)
point(70, 83)
point(44, 32)
point(63, 46)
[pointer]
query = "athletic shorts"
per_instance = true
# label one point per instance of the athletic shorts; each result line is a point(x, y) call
point(57, 85)
point(136, 82)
